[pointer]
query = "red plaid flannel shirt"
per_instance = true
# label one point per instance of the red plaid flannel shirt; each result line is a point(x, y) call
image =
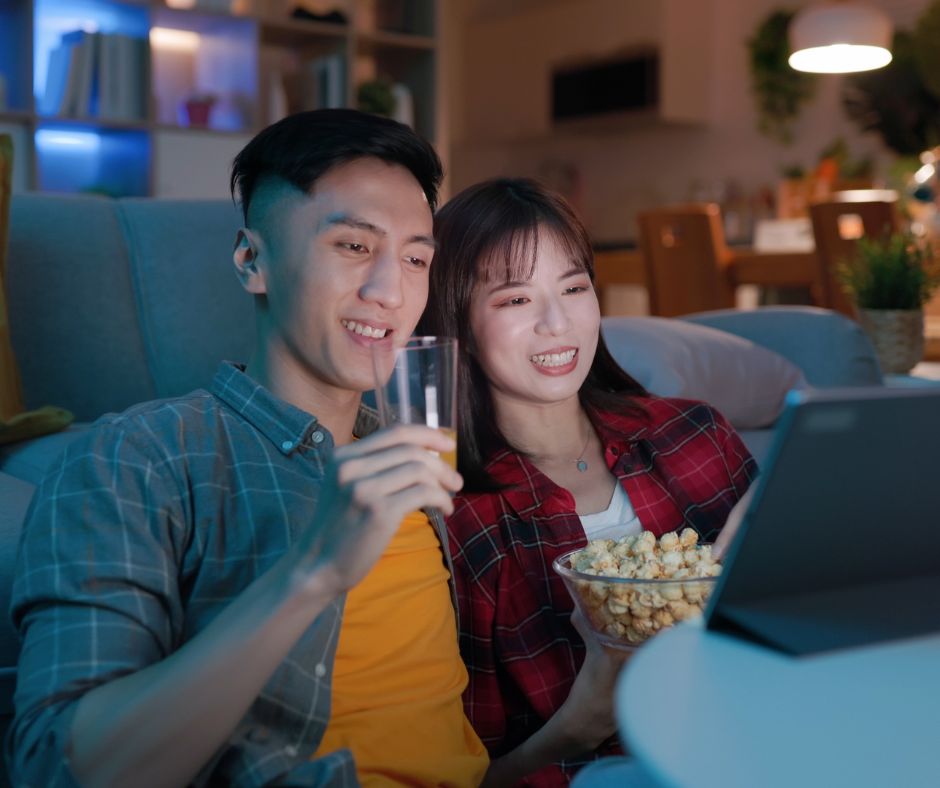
point(681, 464)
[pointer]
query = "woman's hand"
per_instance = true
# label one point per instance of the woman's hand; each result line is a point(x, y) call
point(587, 715)
point(583, 722)
point(733, 523)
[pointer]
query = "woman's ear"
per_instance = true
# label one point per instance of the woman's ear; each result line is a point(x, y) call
point(245, 257)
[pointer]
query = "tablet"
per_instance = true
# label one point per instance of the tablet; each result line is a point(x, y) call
point(840, 545)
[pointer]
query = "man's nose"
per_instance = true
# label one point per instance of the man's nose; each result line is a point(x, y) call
point(383, 284)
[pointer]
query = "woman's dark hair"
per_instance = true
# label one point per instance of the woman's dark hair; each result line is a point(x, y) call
point(487, 232)
point(302, 147)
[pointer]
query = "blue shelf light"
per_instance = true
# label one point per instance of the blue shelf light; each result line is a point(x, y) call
point(107, 161)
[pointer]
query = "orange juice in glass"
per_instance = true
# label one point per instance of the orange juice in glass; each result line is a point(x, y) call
point(417, 384)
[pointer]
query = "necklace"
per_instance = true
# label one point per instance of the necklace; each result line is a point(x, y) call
point(579, 462)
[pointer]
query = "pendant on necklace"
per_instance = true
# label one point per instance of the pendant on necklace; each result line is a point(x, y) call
point(582, 466)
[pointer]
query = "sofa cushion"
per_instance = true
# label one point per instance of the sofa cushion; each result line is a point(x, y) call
point(745, 382)
point(193, 311)
point(831, 349)
point(73, 321)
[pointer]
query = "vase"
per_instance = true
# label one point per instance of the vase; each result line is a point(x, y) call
point(898, 337)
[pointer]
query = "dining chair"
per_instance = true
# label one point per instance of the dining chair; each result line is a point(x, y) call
point(838, 223)
point(690, 268)
point(686, 259)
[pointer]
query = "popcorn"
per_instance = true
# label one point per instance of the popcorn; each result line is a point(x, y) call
point(635, 612)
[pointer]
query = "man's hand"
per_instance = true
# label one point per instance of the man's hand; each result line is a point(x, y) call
point(370, 486)
point(735, 516)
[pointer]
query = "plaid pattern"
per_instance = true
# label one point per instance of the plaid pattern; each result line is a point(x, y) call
point(143, 532)
point(682, 465)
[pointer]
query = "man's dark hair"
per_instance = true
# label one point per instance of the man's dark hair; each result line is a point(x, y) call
point(302, 147)
point(490, 232)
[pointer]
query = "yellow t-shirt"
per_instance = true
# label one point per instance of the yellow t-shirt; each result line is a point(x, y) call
point(398, 677)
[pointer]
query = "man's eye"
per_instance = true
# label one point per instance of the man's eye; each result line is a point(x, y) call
point(353, 247)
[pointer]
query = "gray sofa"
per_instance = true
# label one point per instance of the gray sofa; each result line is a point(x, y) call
point(114, 302)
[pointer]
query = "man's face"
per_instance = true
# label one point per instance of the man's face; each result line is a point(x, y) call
point(345, 268)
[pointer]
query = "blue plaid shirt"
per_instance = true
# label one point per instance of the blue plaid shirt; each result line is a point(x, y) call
point(145, 529)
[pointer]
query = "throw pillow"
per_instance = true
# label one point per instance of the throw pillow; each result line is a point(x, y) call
point(671, 358)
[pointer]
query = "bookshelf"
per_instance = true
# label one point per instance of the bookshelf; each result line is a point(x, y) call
point(155, 97)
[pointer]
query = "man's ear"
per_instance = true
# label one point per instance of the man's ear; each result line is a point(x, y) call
point(245, 257)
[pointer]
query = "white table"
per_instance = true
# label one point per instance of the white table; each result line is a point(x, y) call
point(699, 709)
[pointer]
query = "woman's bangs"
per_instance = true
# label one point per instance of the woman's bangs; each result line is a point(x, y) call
point(512, 257)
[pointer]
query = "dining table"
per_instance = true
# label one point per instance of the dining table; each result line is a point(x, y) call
point(618, 265)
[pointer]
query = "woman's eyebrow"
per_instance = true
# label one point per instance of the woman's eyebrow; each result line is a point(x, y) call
point(504, 286)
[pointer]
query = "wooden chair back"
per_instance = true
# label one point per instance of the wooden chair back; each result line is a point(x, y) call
point(686, 259)
point(837, 226)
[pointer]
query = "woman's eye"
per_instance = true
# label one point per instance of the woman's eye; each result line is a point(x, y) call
point(417, 262)
point(575, 289)
point(517, 301)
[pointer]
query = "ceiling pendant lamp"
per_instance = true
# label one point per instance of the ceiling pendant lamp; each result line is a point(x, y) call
point(839, 38)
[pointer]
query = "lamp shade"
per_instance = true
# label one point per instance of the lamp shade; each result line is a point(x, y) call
point(838, 38)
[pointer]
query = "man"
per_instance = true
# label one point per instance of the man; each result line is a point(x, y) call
point(182, 584)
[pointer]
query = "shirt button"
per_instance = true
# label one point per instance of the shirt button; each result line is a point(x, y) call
point(320, 670)
point(287, 445)
point(291, 751)
point(317, 436)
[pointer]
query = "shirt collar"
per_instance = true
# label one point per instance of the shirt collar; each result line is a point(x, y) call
point(285, 425)
point(530, 490)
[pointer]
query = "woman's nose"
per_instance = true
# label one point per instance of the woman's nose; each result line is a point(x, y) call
point(554, 317)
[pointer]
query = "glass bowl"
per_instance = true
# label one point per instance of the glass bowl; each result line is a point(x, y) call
point(626, 612)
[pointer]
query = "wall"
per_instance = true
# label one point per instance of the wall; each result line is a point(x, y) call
point(499, 121)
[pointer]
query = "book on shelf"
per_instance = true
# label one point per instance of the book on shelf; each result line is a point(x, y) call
point(57, 74)
point(329, 81)
point(103, 75)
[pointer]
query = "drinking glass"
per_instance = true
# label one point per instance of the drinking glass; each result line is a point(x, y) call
point(417, 384)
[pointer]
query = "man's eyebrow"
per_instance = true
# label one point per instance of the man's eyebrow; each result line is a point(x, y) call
point(347, 220)
point(427, 240)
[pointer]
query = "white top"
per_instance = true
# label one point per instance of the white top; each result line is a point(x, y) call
point(615, 522)
point(866, 717)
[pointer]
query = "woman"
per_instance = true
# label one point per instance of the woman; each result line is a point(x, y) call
point(557, 445)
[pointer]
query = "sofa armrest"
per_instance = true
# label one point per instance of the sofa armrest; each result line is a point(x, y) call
point(15, 496)
point(30, 459)
point(831, 349)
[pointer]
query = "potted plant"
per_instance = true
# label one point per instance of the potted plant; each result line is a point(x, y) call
point(890, 279)
point(779, 91)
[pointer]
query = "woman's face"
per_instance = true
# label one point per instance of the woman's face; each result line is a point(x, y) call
point(535, 340)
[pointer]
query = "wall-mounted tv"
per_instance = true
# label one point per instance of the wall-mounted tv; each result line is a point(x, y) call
point(625, 84)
